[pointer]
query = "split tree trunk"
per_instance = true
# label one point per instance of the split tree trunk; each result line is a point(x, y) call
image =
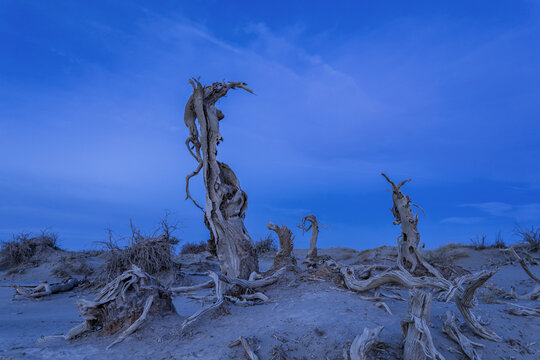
point(226, 203)
point(284, 255)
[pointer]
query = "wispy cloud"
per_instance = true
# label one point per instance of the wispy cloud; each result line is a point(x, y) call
point(524, 212)
point(462, 220)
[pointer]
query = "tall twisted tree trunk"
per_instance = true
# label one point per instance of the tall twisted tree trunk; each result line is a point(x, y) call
point(284, 256)
point(226, 203)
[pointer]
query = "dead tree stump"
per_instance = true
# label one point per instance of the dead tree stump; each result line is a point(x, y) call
point(284, 255)
point(314, 227)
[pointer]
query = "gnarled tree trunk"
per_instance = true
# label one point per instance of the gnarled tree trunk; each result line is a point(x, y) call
point(284, 255)
point(408, 255)
point(226, 203)
point(314, 226)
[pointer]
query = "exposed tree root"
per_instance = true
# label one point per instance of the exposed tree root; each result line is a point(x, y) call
point(45, 289)
point(520, 310)
point(254, 284)
point(363, 344)
point(184, 289)
point(128, 299)
point(465, 302)
point(533, 295)
point(451, 329)
point(418, 342)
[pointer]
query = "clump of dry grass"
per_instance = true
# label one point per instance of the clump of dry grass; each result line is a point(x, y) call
point(152, 253)
point(263, 246)
point(481, 243)
point(529, 236)
point(24, 248)
point(193, 248)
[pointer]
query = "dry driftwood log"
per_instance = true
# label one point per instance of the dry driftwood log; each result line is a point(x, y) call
point(418, 342)
point(314, 226)
point(408, 254)
point(535, 293)
point(284, 255)
point(363, 344)
point(46, 289)
point(226, 202)
point(451, 329)
point(123, 305)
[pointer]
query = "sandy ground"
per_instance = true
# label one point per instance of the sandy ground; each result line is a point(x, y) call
point(305, 319)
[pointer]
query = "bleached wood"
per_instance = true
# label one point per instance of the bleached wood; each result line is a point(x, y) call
point(249, 352)
point(408, 254)
point(418, 343)
point(284, 255)
point(226, 202)
point(451, 329)
point(363, 344)
point(535, 293)
point(310, 222)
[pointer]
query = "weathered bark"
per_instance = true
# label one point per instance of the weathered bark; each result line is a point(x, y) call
point(314, 226)
point(284, 255)
point(463, 296)
point(408, 254)
point(226, 203)
point(465, 302)
point(46, 289)
point(363, 344)
point(535, 293)
point(451, 329)
point(418, 342)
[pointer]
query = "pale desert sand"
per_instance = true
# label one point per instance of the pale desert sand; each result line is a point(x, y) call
point(310, 318)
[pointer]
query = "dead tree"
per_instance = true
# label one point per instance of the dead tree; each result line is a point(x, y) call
point(418, 342)
point(408, 254)
point(226, 202)
point(284, 255)
point(314, 226)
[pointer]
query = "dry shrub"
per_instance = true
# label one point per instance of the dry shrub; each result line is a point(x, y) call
point(193, 248)
point(444, 260)
point(152, 253)
point(529, 236)
point(266, 245)
point(25, 249)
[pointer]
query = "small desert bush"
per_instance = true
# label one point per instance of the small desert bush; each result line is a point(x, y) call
point(193, 248)
point(480, 242)
point(152, 253)
point(265, 245)
point(529, 236)
point(25, 248)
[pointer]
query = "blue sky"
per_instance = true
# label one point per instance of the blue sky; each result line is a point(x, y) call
point(446, 93)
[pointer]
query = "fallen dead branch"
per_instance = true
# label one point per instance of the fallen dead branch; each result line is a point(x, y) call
point(382, 304)
point(250, 353)
point(45, 289)
point(254, 284)
point(418, 342)
point(363, 344)
point(451, 329)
